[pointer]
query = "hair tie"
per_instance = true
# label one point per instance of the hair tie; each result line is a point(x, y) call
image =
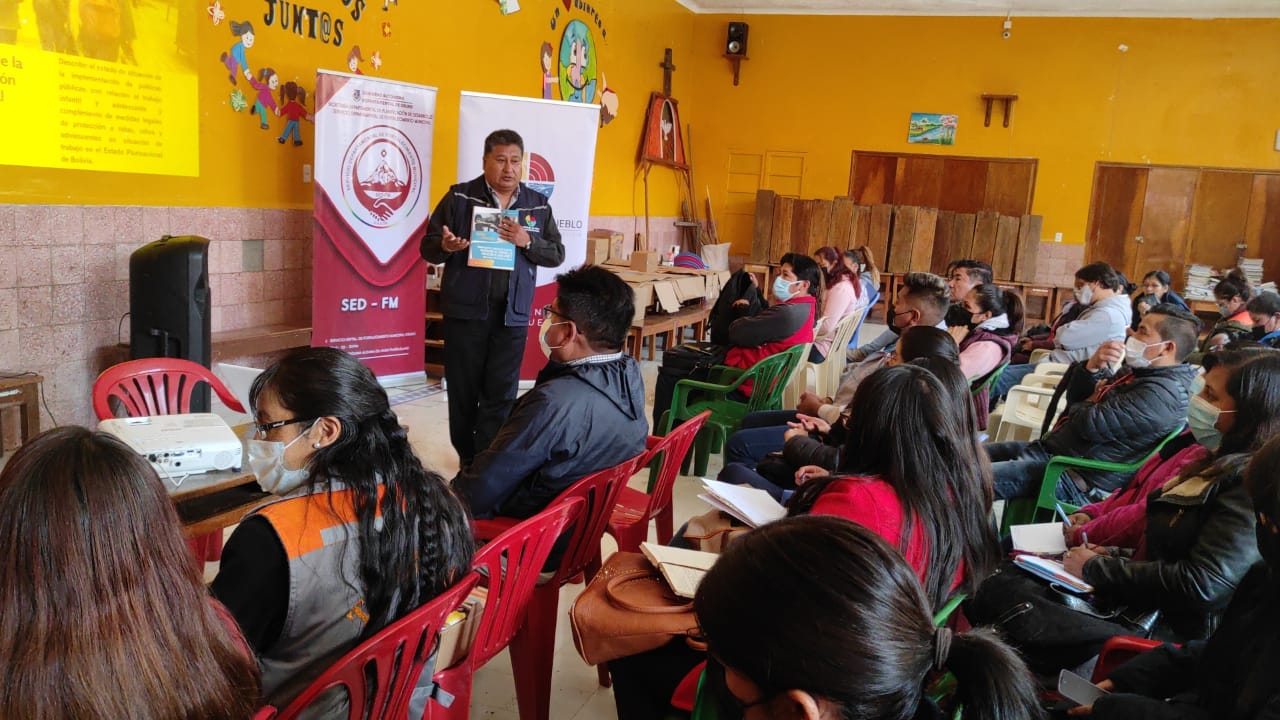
point(941, 647)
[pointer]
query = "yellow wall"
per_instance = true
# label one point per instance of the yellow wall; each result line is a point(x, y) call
point(1186, 92)
point(452, 46)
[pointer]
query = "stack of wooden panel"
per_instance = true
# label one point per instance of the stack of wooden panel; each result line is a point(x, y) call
point(903, 238)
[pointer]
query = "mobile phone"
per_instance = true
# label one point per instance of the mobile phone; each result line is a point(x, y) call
point(1078, 690)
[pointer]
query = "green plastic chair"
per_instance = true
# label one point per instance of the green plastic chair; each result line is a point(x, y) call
point(691, 397)
point(1022, 511)
point(991, 379)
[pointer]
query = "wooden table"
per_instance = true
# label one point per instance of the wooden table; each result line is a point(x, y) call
point(212, 501)
point(20, 390)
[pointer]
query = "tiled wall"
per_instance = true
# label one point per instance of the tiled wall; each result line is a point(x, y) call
point(1058, 263)
point(662, 230)
point(64, 272)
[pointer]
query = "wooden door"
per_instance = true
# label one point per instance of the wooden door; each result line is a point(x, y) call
point(1161, 243)
point(1221, 213)
point(1115, 213)
point(1262, 231)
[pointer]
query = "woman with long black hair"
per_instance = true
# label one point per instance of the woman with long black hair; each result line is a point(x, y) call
point(362, 532)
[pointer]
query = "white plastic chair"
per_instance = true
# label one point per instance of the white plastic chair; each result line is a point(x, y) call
point(1023, 413)
point(798, 381)
point(827, 373)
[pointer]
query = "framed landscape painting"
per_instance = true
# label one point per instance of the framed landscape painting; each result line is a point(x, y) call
point(932, 129)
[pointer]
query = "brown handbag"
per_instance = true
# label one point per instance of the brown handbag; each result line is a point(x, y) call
point(712, 531)
point(626, 609)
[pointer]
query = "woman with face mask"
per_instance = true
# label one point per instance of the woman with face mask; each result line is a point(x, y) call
point(1153, 291)
point(1232, 294)
point(1232, 675)
point(1264, 311)
point(361, 533)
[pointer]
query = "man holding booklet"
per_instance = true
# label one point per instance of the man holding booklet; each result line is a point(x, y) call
point(488, 285)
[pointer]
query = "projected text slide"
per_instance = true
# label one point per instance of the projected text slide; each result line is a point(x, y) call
point(67, 111)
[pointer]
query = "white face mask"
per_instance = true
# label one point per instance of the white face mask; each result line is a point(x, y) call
point(266, 461)
point(542, 338)
point(1084, 294)
point(1202, 418)
point(1135, 352)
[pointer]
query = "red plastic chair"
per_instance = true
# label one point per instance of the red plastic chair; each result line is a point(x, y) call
point(512, 562)
point(380, 674)
point(162, 386)
point(629, 521)
point(533, 647)
point(155, 386)
point(1118, 651)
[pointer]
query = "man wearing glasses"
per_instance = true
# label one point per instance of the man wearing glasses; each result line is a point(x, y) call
point(585, 412)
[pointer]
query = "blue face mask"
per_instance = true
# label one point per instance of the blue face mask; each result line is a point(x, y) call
point(782, 288)
point(1202, 417)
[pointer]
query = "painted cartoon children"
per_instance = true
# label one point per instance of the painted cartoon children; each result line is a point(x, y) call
point(234, 59)
point(294, 100)
point(266, 85)
point(608, 102)
point(548, 77)
point(354, 58)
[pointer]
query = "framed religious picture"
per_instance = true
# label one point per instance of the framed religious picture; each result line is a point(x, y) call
point(662, 142)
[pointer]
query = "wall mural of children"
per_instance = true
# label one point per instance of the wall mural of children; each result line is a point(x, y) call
point(294, 99)
point(234, 59)
point(354, 58)
point(266, 85)
point(549, 78)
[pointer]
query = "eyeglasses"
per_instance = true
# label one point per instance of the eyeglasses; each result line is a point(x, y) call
point(261, 429)
point(548, 310)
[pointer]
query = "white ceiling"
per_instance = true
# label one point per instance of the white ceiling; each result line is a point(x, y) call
point(1068, 8)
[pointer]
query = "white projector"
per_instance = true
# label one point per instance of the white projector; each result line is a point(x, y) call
point(180, 445)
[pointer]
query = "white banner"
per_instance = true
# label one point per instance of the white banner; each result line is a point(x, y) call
point(560, 153)
point(372, 198)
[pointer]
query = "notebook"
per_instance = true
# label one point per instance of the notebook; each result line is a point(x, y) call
point(752, 506)
point(682, 568)
point(1040, 538)
point(1053, 571)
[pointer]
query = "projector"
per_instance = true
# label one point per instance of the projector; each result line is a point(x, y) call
point(180, 445)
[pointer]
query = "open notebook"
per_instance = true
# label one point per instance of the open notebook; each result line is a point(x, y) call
point(1053, 571)
point(1039, 538)
point(682, 568)
point(749, 505)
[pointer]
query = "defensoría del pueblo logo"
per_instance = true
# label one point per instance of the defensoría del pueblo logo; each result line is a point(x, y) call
point(541, 177)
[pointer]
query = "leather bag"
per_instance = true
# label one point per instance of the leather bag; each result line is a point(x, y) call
point(626, 609)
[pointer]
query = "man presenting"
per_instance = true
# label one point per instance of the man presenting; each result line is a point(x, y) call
point(486, 311)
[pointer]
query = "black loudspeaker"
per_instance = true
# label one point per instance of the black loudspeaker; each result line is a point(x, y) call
point(169, 304)
point(736, 41)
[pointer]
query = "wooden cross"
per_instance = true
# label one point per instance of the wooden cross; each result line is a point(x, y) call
point(667, 68)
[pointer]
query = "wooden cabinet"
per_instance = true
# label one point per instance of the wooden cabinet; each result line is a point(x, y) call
point(1150, 217)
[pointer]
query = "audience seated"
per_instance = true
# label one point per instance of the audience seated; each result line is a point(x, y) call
point(778, 443)
point(962, 276)
point(1106, 316)
point(1232, 675)
point(986, 339)
point(786, 323)
point(361, 533)
point(1153, 291)
point(911, 472)
point(1232, 294)
point(820, 618)
point(1198, 542)
point(103, 614)
point(921, 300)
point(1264, 311)
point(585, 412)
point(1112, 415)
point(862, 263)
point(842, 295)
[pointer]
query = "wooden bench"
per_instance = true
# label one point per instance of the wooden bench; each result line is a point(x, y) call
point(22, 391)
point(670, 327)
point(229, 344)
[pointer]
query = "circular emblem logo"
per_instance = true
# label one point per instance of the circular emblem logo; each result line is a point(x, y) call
point(541, 177)
point(381, 176)
point(578, 69)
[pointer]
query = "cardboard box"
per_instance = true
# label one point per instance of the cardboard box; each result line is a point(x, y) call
point(616, 247)
point(644, 261)
point(597, 249)
point(458, 633)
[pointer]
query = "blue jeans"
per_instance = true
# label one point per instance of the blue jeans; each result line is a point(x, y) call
point(1011, 376)
point(759, 434)
point(1018, 472)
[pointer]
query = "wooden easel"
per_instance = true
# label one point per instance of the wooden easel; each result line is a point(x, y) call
point(689, 222)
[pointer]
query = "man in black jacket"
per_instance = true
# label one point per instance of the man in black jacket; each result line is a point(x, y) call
point(486, 311)
point(1113, 415)
point(584, 414)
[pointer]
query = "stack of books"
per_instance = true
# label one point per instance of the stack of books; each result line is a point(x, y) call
point(1252, 269)
point(1200, 282)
